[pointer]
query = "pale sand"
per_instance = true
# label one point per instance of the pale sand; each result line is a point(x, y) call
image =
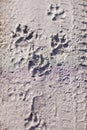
point(43, 65)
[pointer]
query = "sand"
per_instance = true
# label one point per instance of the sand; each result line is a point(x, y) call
point(43, 65)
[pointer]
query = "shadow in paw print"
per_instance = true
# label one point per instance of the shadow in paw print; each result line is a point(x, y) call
point(19, 41)
point(85, 80)
point(83, 50)
point(54, 18)
point(31, 64)
point(32, 122)
point(45, 73)
point(33, 61)
point(54, 40)
point(57, 15)
point(59, 64)
point(29, 118)
point(18, 29)
point(63, 39)
point(30, 36)
point(43, 68)
point(14, 35)
point(25, 30)
point(33, 127)
point(36, 57)
point(33, 102)
point(56, 50)
point(49, 13)
point(65, 45)
point(83, 57)
point(42, 59)
point(35, 71)
point(83, 65)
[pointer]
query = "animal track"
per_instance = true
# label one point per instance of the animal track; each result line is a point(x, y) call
point(22, 35)
point(33, 121)
point(55, 12)
point(59, 42)
point(38, 64)
point(20, 46)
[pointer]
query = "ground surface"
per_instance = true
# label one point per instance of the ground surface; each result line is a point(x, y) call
point(43, 65)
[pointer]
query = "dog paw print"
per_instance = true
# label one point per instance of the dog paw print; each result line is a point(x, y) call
point(55, 12)
point(58, 43)
point(32, 121)
point(36, 60)
point(38, 64)
point(22, 35)
point(20, 46)
point(60, 48)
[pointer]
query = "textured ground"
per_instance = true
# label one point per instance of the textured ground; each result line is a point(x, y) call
point(43, 65)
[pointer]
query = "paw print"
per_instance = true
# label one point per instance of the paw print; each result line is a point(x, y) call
point(58, 43)
point(20, 46)
point(38, 64)
point(55, 12)
point(22, 35)
point(35, 60)
point(59, 46)
point(32, 121)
